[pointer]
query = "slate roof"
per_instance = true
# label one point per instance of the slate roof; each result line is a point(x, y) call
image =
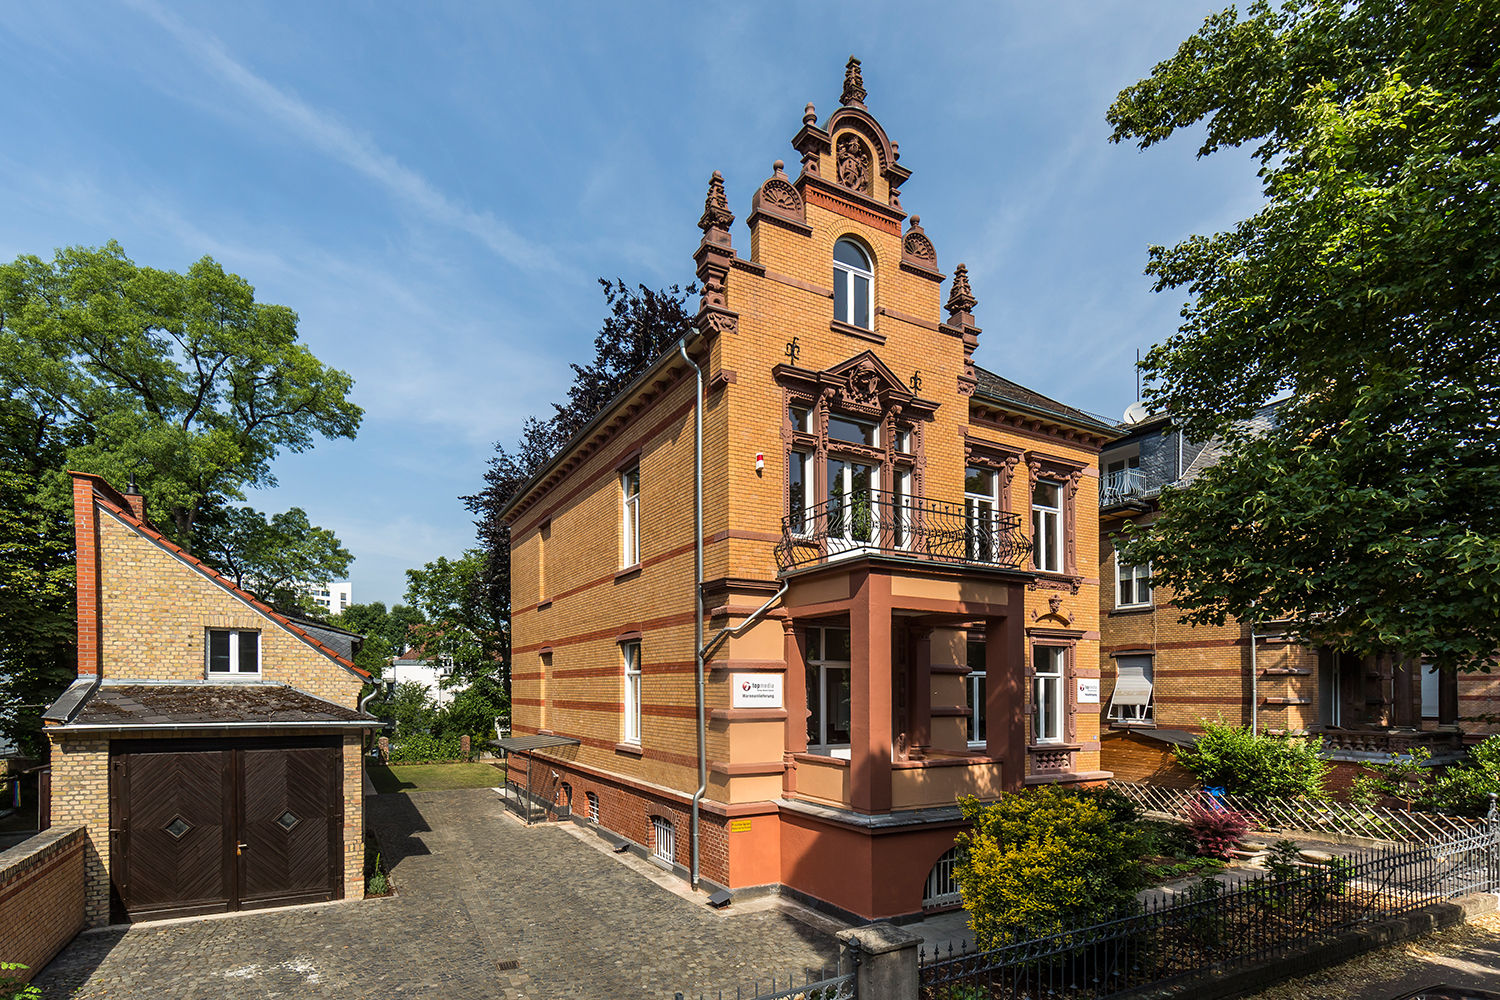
point(1002, 390)
point(149, 706)
point(340, 640)
point(1210, 455)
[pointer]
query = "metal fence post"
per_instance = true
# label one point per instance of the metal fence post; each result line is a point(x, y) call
point(885, 961)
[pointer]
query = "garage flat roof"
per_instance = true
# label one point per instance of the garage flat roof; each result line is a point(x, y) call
point(146, 705)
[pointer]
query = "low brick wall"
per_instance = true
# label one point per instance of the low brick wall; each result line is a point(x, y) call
point(41, 896)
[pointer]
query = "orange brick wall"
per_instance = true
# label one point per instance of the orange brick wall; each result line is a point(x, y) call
point(41, 897)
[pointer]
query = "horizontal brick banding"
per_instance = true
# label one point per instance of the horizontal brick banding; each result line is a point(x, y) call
point(42, 883)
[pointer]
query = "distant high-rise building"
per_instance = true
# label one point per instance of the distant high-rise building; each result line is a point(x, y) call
point(333, 597)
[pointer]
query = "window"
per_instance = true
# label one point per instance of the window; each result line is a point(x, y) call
point(631, 653)
point(976, 685)
point(828, 693)
point(799, 492)
point(630, 517)
point(1047, 694)
point(865, 432)
point(233, 653)
point(1132, 585)
point(851, 284)
point(663, 840)
point(981, 503)
point(851, 503)
point(1431, 690)
point(593, 804)
point(800, 415)
point(1046, 526)
point(942, 887)
point(1131, 701)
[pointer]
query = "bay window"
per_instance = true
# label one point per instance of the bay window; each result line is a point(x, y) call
point(828, 691)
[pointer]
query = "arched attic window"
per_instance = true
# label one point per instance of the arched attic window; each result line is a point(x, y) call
point(852, 278)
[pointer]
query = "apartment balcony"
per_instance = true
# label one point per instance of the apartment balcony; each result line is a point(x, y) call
point(1383, 742)
point(1128, 487)
point(876, 522)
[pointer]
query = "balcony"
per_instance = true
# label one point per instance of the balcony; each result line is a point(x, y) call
point(1127, 486)
point(876, 522)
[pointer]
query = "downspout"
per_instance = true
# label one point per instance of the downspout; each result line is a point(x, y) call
point(1254, 681)
point(697, 611)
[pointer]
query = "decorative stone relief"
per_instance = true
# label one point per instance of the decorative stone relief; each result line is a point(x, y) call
point(854, 164)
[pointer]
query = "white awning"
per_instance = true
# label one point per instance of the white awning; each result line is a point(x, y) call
point(1133, 687)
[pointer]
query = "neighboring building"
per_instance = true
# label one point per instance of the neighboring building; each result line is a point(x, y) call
point(334, 598)
point(1163, 679)
point(413, 666)
point(882, 493)
point(210, 746)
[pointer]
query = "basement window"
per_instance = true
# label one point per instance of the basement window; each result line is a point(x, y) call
point(233, 653)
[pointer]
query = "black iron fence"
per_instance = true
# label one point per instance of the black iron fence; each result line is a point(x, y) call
point(835, 983)
point(1216, 929)
point(880, 522)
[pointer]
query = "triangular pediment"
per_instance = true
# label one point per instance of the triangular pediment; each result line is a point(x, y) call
point(861, 384)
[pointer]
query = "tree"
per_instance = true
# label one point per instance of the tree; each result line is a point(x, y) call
point(458, 626)
point(386, 633)
point(180, 382)
point(1367, 290)
point(638, 328)
point(272, 557)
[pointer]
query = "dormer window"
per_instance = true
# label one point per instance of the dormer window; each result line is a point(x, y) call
point(852, 276)
point(233, 653)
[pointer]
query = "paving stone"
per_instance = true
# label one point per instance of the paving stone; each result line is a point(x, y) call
point(475, 891)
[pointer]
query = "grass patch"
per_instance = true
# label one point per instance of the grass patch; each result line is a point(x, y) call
point(433, 777)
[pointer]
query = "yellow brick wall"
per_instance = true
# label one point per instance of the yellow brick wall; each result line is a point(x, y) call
point(157, 610)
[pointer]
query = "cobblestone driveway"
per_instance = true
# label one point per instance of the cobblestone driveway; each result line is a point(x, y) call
point(475, 890)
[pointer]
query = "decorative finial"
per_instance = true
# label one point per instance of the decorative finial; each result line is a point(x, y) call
point(716, 213)
point(809, 114)
point(854, 84)
point(778, 166)
point(961, 300)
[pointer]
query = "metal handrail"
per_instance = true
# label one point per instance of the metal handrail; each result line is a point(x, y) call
point(885, 523)
point(1127, 484)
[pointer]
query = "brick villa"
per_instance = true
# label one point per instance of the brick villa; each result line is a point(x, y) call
point(903, 544)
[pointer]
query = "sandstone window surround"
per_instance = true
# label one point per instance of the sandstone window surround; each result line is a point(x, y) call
point(1053, 485)
point(233, 654)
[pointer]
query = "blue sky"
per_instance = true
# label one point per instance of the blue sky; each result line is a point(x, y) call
point(434, 188)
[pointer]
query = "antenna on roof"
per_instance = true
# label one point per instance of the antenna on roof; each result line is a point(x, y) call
point(1137, 373)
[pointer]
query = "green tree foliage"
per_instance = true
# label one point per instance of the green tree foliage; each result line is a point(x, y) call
point(270, 556)
point(637, 329)
point(1465, 788)
point(387, 633)
point(458, 626)
point(411, 708)
point(182, 382)
point(1229, 757)
point(1040, 861)
point(1367, 288)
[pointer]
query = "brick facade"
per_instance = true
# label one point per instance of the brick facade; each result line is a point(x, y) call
point(912, 373)
point(42, 897)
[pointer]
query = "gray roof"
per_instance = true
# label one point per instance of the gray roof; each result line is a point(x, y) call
point(148, 705)
point(1213, 452)
point(1003, 390)
point(340, 640)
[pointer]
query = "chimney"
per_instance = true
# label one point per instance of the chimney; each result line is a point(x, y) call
point(136, 499)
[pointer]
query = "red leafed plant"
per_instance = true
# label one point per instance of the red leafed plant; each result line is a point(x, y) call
point(1215, 829)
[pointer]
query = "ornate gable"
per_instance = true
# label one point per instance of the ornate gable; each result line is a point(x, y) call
point(863, 384)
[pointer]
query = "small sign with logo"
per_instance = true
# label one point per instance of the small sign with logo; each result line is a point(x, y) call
point(1088, 690)
point(756, 690)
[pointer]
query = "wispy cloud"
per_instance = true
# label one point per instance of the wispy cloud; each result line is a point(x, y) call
point(326, 133)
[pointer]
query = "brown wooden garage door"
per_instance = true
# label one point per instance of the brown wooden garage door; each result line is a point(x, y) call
point(199, 826)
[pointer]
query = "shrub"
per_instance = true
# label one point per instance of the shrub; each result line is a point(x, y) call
point(1039, 861)
point(1257, 765)
point(1465, 788)
point(1215, 829)
point(420, 749)
point(13, 988)
point(1404, 777)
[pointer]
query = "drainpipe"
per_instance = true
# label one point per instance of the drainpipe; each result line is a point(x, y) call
point(1254, 682)
point(697, 610)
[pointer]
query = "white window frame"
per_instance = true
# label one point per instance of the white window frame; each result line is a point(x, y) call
point(1047, 688)
point(803, 461)
point(820, 668)
point(663, 839)
point(1435, 685)
point(1047, 530)
point(975, 514)
point(841, 539)
point(592, 800)
point(846, 274)
point(1139, 577)
point(630, 654)
point(234, 672)
point(630, 517)
point(975, 683)
point(1134, 713)
point(942, 888)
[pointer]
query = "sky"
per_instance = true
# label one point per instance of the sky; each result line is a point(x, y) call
point(435, 188)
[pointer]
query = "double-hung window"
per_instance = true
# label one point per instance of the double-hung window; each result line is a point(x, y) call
point(981, 504)
point(852, 277)
point(1132, 585)
point(233, 653)
point(630, 653)
point(975, 682)
point(828, 691)
point(1047, 526)
point(1047, 694)
point(630, 516)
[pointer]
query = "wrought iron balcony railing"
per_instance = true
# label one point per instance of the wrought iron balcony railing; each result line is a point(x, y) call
point(875, 522)
point(1126, 485)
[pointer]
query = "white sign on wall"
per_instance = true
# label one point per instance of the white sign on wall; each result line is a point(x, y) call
point(1088, 690)
point(756, 690)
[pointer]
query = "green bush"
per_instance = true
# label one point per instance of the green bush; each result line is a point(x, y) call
point(12, 988)
point(1405, 777)
point(1257, 765)
point(422, 749)
point(1465, 788)
point(1042, 860)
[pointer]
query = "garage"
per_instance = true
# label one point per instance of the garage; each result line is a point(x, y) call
point(200, 827)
